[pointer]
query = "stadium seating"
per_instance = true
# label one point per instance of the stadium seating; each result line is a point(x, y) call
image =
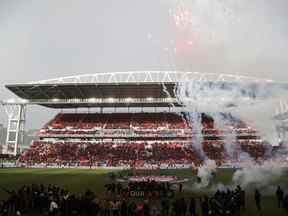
point(154, 138)
point(73, 124)
point(128, 124)
point(108, 153)
point(111, 154)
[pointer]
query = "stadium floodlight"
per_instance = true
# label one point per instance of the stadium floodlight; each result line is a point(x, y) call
point(129, 99)
point(111, 100)
point(11, 100)
point(24, 101)
point(169, 99)
point(149, 98)
point(92, 100)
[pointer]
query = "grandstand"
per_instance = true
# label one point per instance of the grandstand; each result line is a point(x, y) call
point(127, 119)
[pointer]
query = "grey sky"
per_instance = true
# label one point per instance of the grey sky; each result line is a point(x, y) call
point(41, 39)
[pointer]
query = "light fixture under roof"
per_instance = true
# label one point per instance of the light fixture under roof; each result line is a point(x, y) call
point(111, 99)
point(129, 99)
point(92, 100)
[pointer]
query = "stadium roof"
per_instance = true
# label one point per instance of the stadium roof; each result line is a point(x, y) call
point(147, 77)
point(118, 89)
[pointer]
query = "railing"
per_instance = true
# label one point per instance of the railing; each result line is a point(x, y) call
point(130, 133)
point(147, 100)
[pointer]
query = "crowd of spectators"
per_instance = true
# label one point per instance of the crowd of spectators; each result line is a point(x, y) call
point(155, 139)
point(131, 154)
point(110, 154)
point(77, 124)
point(130, 124)
point(52, 200)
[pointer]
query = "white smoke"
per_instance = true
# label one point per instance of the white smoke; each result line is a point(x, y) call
point(245, 158)
point(206, 173)
point(229, 136)
point(195, 120)
point(258, 175)
point(182, 91)
point(253, 102)
point(261, 117)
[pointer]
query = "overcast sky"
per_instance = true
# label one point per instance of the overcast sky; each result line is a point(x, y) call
point(41, 39)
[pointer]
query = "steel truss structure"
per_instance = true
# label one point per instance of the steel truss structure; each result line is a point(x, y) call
point(149, 77)
point(281, 116)
point(16, 127)
point(282, 111)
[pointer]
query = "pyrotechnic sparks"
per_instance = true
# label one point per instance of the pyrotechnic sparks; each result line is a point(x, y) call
point(182, 16)
point(200, 23)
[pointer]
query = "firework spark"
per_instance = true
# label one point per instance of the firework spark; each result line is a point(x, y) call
point(182, 16)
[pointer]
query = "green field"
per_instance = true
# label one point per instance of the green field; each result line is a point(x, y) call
point(78, 180)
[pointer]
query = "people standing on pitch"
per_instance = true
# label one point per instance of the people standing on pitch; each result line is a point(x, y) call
point(285, 203)
point(280, 196)
point(258, 197)
point(192, 207)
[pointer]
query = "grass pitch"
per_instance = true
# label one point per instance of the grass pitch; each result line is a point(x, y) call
point(78, 180)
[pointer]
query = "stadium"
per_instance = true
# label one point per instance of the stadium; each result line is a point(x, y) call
point(124, 119)
point(143, 108)
point(135, 125)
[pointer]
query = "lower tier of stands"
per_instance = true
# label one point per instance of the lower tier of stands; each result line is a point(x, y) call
point(135, 154)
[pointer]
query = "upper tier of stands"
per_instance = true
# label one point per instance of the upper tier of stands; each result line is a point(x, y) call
point(117, 121)
point(130, 124)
